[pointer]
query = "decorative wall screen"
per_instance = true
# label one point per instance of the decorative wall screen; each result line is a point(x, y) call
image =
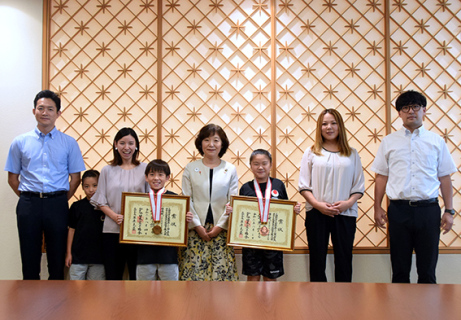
point(263, 70)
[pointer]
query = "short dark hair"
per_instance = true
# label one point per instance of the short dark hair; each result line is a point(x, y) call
point(210, 130)
point(50, 95)
point(261, 152)
point(90, 174)
point(158, 165)
point(117, 160)
point(410, 97)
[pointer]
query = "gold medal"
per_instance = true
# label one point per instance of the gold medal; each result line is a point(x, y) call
point(157, 229)
point(264, 231)
point(156, 206)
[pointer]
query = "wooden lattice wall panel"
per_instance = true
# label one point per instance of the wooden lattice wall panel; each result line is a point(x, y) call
point(212, 73)
point(263, 70)
point(103, 62)
point(331, 56)
point(425, 56)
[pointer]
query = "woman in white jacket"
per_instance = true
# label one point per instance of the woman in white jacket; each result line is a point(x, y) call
point(210, 182)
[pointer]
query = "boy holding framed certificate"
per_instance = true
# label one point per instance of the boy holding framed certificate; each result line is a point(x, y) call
point(263, 262)
point(158, 262)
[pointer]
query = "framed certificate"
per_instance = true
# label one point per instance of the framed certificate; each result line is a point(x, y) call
point(246, 229)
point(138, 224)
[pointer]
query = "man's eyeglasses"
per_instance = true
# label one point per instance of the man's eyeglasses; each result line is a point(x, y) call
point(415, 108)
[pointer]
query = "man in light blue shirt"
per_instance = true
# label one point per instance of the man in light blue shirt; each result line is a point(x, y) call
point(39, 165)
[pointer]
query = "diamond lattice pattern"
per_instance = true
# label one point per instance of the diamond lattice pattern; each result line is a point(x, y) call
point(261, 69)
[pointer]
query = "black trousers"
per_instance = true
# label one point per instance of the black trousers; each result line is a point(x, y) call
point(117, 255)
point(35, 217)
point(342, 230)
point(418, 229)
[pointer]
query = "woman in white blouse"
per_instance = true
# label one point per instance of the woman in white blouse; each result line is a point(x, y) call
point(331, 180)
point(210, 182)
point(123, 174)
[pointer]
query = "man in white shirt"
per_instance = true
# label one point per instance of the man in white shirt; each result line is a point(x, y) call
point(411, 165)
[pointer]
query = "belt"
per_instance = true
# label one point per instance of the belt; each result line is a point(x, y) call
point(43, 195)
point(418, 203)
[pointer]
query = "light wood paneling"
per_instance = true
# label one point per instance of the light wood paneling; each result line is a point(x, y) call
point(261, 69)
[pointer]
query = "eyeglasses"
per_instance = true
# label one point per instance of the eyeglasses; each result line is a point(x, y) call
point(415, 108)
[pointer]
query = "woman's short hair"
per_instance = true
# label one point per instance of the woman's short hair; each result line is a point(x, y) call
point(210, 130)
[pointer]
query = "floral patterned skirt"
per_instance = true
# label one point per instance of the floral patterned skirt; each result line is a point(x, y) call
point(207, 260)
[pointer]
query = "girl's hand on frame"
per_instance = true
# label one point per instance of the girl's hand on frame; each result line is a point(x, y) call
point(297, 208)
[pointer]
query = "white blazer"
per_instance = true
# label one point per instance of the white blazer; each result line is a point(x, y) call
point(196, 184)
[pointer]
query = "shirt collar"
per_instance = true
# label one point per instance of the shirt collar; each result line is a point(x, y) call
point(417, 132)
point(51, 134)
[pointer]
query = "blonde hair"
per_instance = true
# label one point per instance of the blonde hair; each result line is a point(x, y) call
point(344, 148)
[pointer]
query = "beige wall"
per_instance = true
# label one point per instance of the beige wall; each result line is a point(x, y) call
point(20, 80)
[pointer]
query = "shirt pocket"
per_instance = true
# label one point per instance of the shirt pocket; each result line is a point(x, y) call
point(58, 160)
point(427, 161)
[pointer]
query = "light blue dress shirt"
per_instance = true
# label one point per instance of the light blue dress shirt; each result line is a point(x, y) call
point(44, 162)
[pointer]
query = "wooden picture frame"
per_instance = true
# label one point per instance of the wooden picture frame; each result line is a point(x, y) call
point(138, 225)
point(246, 230)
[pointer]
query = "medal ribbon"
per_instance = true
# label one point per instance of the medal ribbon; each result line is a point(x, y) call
point(156, 203)
point(263, 206)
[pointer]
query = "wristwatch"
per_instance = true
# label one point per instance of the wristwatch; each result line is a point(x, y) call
point(450, 211)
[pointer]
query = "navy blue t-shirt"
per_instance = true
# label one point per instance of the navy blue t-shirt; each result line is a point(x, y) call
point(88, 223)
point(248, 189)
